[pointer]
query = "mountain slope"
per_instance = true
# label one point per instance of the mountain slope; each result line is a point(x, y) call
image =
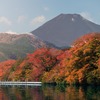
point(65, 28)
point(13, 46)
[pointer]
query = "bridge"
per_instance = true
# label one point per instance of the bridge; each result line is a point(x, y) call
point(20, 83)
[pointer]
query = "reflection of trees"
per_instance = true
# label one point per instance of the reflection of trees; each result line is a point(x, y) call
point(3, 96)
point(49, 93)
point(93, 92)
point(82, 93)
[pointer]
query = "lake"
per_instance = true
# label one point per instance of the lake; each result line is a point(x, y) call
point(49, 93)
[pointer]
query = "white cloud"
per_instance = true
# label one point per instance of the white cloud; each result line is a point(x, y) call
point(21, 19)
point(46, 8)
point(11, 32)
point(86, 15)
point(4, 20)
point(38, 20)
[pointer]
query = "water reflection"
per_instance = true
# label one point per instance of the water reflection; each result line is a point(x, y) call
point(49, 93)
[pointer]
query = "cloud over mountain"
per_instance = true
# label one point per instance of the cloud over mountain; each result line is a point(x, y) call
point(86, 15)
point(4, 20)
point(21, 19)
point(38, 20)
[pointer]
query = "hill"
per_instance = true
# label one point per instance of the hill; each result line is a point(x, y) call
point(13, 46)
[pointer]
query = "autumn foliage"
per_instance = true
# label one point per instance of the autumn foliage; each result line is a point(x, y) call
point(79, 64)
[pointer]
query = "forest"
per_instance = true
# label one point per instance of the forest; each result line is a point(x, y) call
point(78, 64)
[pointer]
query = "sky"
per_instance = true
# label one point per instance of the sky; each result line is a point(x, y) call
point(23, 16)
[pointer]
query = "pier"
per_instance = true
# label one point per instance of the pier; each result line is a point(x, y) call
point(20, 83)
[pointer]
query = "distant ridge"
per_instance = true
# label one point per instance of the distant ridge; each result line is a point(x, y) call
point(65, 28)
point(14, 46)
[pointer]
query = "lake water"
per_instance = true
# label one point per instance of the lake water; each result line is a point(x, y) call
point(49, 93)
